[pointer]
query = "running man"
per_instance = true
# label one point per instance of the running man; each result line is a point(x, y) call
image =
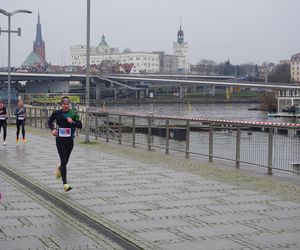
point(3, 121)
point(20, 114)
point(67, 120)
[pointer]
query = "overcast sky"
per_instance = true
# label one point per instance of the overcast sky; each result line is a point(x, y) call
point(240, 30)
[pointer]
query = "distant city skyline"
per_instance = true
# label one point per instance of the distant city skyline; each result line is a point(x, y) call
point(239, 30)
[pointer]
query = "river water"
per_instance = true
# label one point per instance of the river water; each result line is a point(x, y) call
point(227, 111)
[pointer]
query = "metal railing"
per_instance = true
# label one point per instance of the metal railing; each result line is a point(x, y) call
point(275, 146)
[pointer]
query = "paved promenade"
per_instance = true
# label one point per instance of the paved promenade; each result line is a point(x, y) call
point(153, 200)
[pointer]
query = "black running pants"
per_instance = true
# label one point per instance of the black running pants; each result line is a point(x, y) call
point(3, 124)
point(64, 148)
point(20, 123)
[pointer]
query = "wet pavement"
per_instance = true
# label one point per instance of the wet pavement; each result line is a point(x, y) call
point(139, 195)
point(29, 223)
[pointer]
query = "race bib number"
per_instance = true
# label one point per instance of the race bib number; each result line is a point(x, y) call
point(21, 118)
point(2, 117)
point(64, 132)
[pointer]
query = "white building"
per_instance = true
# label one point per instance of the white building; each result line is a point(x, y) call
point(181, 49)
point(80, 50)
point(295, 68)
point(143, 62)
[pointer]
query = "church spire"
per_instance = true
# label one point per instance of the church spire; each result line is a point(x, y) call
point(39, 44)
point(39, 39)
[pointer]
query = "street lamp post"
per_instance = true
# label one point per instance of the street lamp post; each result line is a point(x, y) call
point(87, 84)
point(18, 31)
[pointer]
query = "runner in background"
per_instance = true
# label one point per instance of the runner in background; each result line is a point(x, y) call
point(67, 120)
point(3, 121)
point(20, 114)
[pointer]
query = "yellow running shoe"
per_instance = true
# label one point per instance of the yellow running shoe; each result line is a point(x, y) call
point(57, 173)
point(24, 140)
point(17, 140)
point(67, 187)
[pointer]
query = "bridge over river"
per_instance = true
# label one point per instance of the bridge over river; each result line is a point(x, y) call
point(137, 84)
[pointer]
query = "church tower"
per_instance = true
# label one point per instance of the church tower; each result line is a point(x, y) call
point(181, 50)
point(37, 57)
point(39, 44)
